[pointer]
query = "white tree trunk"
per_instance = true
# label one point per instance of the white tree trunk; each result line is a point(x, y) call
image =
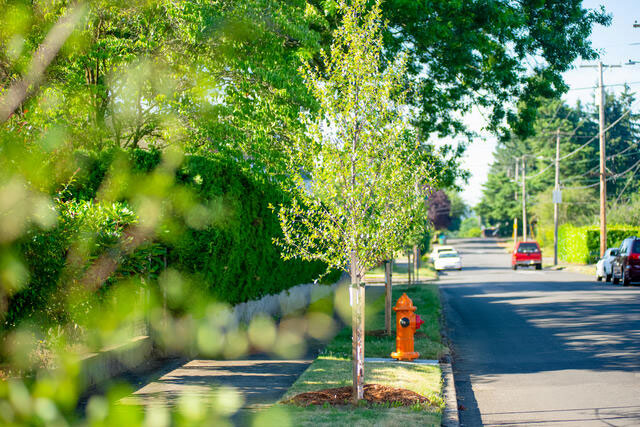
point(357, 296)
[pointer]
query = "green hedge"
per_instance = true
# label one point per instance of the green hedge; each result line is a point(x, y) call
point(582, 244)
point(58, 258)
point(233, 258)
point(237, 259)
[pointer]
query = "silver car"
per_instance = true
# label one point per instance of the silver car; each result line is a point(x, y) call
point(604, 267)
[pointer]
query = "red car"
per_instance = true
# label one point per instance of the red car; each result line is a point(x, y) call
point(526, 253)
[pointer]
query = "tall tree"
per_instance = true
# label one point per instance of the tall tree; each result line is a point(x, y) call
point(459, 209)
point(487, 53)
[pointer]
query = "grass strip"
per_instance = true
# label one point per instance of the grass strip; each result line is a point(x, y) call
point(333, 369)
point(400, 270)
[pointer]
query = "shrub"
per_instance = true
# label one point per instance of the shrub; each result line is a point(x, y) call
point(58, 258)
point(236, 258)
point(471, 232)
point(582, 244)
point(470, 227)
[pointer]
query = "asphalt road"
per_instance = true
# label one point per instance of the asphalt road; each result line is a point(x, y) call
point(540, 347)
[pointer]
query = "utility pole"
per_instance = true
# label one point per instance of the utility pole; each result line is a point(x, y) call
point(416, 263)
point(515, 219)
point(603, 180)
point(524, 201)
point(556, 200)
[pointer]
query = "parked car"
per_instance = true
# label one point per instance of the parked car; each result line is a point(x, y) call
point(626, 266)
point(435, 253)
point(604, 267)
point(526, 253)
point(448, 260)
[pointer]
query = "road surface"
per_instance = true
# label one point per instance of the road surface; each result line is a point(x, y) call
point(540, 347)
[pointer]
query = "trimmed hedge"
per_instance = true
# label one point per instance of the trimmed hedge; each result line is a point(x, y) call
point(232, 256)
point(59, 257)
point(582, 244)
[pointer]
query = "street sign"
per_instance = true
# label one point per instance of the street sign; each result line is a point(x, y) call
point(557, 196)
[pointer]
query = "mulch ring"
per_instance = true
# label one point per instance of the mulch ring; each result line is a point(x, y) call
point(373, 394)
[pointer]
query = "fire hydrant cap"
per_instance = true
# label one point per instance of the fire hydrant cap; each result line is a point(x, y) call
point(404, 304)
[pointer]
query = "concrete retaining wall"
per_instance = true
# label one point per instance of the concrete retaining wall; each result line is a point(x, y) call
point(284, 303)
point(101, 366)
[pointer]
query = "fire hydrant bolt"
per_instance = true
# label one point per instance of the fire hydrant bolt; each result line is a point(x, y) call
point(407, 322)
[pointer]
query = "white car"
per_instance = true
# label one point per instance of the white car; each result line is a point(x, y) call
point(448, 260)
point(438, 250)
point(604, 268)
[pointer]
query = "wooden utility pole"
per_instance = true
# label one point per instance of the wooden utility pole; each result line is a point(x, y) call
point(524, 201)
point(603, 180)
point(603, 158)
point(388, 268)
point(515, 219)
point(556, 201)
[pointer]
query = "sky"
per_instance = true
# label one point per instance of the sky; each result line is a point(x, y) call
point(615, 46)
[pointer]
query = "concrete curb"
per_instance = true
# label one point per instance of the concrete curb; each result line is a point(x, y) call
point(450, 417)
point(96, 368)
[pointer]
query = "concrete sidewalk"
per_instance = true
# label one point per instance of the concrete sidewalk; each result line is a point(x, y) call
point(260, 382)
point(259, 379)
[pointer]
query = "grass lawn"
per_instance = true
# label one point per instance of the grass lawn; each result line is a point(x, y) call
point(333, 369)
point(400, 271)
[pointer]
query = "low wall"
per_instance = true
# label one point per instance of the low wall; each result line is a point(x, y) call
point(111, 362)
point(284, 303)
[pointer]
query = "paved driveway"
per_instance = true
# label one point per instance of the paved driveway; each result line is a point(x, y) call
point(541, 347)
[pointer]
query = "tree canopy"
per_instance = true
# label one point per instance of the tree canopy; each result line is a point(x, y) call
point(489, 53)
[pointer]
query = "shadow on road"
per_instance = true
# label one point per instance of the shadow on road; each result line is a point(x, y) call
point(505, 324)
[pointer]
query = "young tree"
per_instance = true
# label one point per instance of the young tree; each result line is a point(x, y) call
point(354, 170)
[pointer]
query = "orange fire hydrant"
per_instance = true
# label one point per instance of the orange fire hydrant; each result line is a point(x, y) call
point(407, 322)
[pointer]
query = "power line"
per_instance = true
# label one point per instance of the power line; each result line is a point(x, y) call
point(626, 185)
point(620, 154)
point(596, 136)
point(611, 85)
point(625, 172)
point(541, 172)
point(612, 177)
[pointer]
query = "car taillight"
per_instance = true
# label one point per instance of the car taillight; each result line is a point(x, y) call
point(634, 258)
